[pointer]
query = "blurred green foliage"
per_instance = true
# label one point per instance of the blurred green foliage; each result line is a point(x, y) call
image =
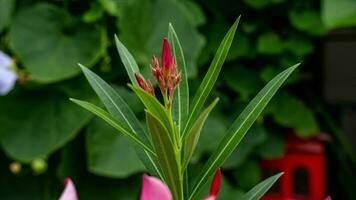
point(49, 38)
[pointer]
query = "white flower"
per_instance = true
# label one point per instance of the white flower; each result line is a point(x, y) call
point(7, 76)
point(5, 60)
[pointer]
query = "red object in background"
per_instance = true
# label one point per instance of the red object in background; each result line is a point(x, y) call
point(304, 171)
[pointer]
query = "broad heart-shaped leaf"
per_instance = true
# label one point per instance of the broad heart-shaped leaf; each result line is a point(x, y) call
point(193, 134)
point(143, 25)
point(166, 155)
point(291, 112)
point(260, 189)
point(122, 114)
point(35, 124)
point(239, 128)
point(53, 42)
point(110, 120)
point(109, 153)
point(210, 77)
point(180, 105)
point(6, 9)
point(128, 61)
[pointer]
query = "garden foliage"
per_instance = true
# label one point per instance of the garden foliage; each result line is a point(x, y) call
point(40, 127)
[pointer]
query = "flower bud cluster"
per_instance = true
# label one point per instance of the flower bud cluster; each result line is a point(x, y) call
point(165, 74)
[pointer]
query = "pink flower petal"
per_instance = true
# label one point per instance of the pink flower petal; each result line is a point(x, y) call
point(210, 198)
point(328, 198)
point(69, 192)
point(154, 189)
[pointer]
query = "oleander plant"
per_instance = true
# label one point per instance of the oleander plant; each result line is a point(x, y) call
point(44, 137)
point(173, 123)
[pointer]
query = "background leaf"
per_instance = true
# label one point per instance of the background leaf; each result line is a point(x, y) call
point(54, 43)
point(291, 112)
point(6, 9)
point(109, 153)
point(269, 43)
point(333, 18)
point(144, 35)
point(33, 126)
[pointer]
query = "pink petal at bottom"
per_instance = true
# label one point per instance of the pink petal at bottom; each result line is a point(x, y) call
point(69, 192)
point(154, 189)
point(210, 198)
point(328, 198)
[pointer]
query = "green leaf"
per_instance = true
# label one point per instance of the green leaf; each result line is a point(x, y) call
point(180, 105)
point(333, 18)
point(120, 111)
point(156, 108)
point(213, 131)
point(108, 153)
point(291, 112)
point(210, 77)
point(239, 128)
point(50, 48)
point(308, 21)
point(194, 13)
point(269, 43)
point(192, 137)
point(299, 45)
point(36, 124)
point(117, 125)
point(165, 153)
point(143, 25)
point(128, 61)
point(259, 190)
point(6, 9)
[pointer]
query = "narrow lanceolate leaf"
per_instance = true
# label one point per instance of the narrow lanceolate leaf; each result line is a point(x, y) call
point(192, 137)
point(260, 189)
point(128, 61)
point(122, 113)
point(180, 106)
point(110, 120)
point(210, 77)
point(239, 128)
point(156, 108)
point(165, 154)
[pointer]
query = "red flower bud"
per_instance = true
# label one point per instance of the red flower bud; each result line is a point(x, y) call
point(140, 81)
point(215, 185)
point(167, 59)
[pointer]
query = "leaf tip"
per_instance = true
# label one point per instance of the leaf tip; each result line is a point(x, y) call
point(82, 67)
point(237, 21)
